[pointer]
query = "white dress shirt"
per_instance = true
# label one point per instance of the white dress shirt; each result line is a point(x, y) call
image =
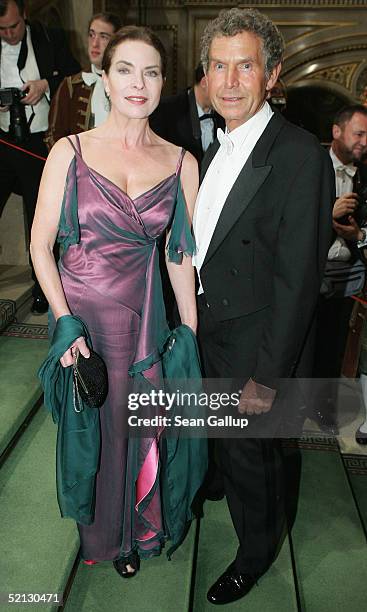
point(234, 151)
point(344, 173)
point(11, 77)
point(206, 128)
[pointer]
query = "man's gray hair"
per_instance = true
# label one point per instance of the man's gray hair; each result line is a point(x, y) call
point(234, 21)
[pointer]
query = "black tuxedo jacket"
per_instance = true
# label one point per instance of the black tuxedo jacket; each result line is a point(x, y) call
point(53, 56)
point(270, 245)
point(176, 120)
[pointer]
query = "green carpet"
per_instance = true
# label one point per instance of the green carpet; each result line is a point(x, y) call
point(217, 548)
point(329, 543)
point(26, 330)
point(160, 586)
point(20, 388)
point(38, 548)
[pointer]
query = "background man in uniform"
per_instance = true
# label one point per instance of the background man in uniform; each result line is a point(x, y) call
point(80, 102)
point(263, 226)
point(35, 59)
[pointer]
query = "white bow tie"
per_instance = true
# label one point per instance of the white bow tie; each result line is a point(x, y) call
point(348, 170)
point(225, 141)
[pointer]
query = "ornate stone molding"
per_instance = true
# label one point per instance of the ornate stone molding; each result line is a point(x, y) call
point(361, 86)
point(306, 3)
point(341, 74)
point(309, 59)
point(255, 3)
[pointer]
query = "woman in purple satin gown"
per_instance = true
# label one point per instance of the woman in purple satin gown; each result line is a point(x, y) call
point(109, 195)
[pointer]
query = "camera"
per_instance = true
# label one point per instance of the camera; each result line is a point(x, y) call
point(360, 213)
point(18, 127)
point(360, 188)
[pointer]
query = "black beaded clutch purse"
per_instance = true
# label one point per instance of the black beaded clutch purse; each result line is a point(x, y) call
point(90, 381)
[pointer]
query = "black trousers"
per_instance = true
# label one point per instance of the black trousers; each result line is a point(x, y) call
point(20, 173)
point(251, 468)
point(333, 316)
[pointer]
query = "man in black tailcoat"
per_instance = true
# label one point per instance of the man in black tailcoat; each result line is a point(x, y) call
point(263, 229)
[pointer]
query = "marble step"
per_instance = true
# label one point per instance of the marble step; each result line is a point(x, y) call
point(15, 293)
point(328, 538)
point(38, 547)
point(20, 358)
point(160, 586)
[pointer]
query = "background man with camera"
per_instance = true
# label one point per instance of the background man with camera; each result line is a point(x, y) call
point(345, 268)
point(34, 60)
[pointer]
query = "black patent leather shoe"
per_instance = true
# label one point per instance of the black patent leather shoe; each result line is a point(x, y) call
point(40, 305)
point(361, 437)
point(230, 586)
point(120, 565)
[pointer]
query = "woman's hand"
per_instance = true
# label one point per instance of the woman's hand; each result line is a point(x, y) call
point(68, 357)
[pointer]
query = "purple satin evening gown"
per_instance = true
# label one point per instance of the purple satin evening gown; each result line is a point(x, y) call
point(110, 274)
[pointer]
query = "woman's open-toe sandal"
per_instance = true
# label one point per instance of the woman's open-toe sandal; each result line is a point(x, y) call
point(120, 565)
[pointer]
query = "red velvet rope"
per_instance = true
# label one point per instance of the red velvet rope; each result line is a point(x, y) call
point(13, 146)
point(358, 299)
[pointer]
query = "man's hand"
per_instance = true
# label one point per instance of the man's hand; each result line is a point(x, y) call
point(350, 232)
point(345, 205)
point(36, 90)
point(4, 109)
point(256, 398)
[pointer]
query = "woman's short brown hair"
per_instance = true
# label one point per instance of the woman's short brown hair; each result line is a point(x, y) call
point(133, 32)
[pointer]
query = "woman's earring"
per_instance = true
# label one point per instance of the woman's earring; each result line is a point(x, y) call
point(108, 101)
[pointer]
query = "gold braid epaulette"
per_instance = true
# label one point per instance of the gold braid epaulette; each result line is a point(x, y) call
point(74, 79)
